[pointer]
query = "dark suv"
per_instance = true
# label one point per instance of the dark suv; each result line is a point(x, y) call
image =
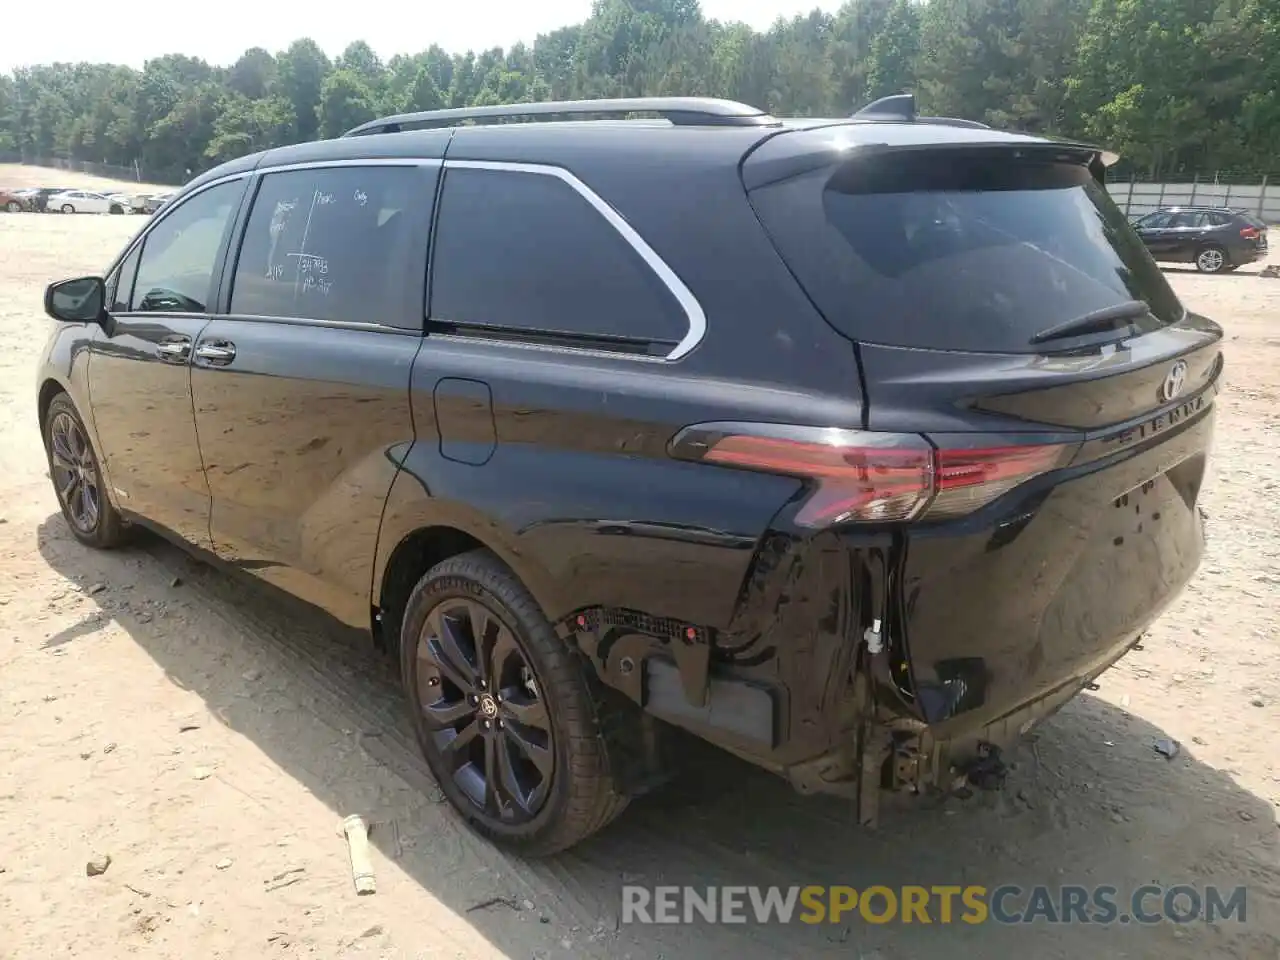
point(1215, 239)
point(854, 446)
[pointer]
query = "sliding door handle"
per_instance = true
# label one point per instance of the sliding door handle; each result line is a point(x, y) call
point(217, 353)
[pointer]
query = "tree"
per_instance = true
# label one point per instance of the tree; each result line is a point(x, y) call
point(254, 74)
point(303, 68)
point(1174, 85)
point(345, 102)
point(423, 94)
point(891, 59)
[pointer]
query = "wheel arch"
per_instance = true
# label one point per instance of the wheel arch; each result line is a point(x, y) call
point(407, 549)
point(49, 388)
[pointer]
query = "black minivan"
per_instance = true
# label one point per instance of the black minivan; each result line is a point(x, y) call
point(854, 446)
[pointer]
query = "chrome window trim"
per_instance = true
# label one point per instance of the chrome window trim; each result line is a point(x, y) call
point(563, 348)
point(684, 296)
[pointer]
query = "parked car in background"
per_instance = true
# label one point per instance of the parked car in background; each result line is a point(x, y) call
point(153, 202)
point(1215, 239)
point(120, 202)
point(855, 446)
point(79, 201)
point(12, 201)
point(36, 198)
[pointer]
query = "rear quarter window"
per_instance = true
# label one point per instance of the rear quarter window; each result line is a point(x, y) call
point(959, 252)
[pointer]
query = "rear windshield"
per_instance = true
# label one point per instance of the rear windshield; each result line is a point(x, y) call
point(959, 252)
point(1254, 221)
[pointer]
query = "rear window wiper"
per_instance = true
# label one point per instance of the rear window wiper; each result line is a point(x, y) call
point(1099, 321)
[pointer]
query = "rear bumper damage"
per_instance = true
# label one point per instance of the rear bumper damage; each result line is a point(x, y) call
point(896, 755)
point(860, 660)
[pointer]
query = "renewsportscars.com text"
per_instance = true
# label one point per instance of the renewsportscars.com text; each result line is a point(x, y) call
point(941, 904)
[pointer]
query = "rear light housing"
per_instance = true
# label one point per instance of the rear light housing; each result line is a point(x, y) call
point(865, 477)
point(1250, 233)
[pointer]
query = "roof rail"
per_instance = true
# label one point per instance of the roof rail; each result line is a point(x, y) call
point(901, 108)
point(680, 111)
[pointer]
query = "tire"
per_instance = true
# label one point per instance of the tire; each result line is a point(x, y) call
point(68, 208)
point(537, 693)
point(116, 208)
point(1211, 259)
point(77, 478)
point(13, 206)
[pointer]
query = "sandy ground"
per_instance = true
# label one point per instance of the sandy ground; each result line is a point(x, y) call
point(16, 176)
point(208, 735)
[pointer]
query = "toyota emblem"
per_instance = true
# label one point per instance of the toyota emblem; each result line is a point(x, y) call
point(1174, 382)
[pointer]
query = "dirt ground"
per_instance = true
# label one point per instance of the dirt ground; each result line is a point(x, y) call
point(208, 735)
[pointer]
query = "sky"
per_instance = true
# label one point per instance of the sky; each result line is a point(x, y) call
point(133, 31)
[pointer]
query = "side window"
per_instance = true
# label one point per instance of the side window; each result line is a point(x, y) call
point(175, 273)
point(1218, 219)
point(526, 251)
point(337, 243)
point(121, 290)
point(1187, 219)
point(1155, 221)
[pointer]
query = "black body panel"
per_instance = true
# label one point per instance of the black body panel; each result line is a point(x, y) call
point(301, 436)
point(141, 399)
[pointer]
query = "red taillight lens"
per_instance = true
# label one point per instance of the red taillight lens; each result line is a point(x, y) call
point(1249, 233)
point(969, 479)
point(869, 477)
point(890, 480)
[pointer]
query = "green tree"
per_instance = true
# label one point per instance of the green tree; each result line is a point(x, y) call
point(254, 74)
point(423, 94)
point(1174, 85)
point(891, 59)
point(346, 101)
point(303, 68)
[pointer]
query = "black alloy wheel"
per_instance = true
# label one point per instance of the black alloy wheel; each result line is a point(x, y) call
point(509, 717)
point(484, 712)
point(77, 478)
point(75, 474)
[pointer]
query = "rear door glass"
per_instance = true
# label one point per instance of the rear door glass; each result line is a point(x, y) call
point(971, 252)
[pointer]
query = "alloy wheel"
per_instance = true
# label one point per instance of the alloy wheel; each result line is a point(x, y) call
point(1210, 261)
point(483, 710)
point(75, 474)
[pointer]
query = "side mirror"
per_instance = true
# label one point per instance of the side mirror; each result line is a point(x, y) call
point(76, 301)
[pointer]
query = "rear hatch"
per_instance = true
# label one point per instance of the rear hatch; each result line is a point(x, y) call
point(1002, 307)
point(1254, 230)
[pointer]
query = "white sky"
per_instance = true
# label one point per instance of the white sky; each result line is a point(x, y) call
point(133, 31)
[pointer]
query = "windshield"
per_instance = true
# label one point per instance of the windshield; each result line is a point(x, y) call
point(974, 252)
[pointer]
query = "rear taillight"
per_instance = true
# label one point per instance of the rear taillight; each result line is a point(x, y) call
point(969, 479)
point(859, 476)
point(1249, 233)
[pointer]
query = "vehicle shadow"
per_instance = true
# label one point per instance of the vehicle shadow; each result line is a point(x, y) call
point(1252, 270)
point(1088, 801)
